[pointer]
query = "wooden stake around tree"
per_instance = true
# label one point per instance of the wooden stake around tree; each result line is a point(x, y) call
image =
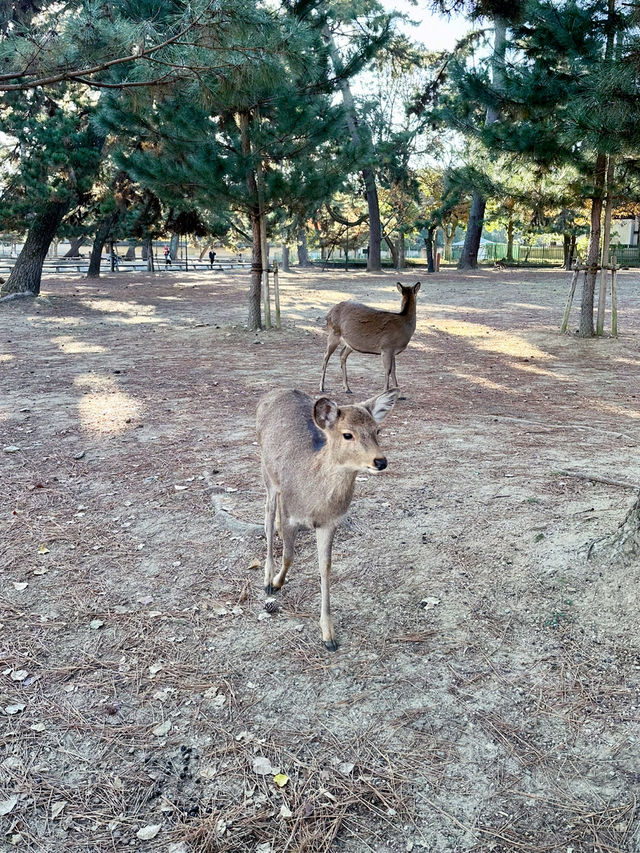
point(276, 293)
point(614, 298)
point(572, 291)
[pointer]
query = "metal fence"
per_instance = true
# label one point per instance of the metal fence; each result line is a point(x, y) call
point(626, 256)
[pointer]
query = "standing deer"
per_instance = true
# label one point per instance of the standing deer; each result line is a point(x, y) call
point(365, 329)
point(311, 453)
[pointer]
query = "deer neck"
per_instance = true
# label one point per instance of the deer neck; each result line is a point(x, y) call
point(408, 307)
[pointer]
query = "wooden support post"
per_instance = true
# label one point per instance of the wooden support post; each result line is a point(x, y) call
point(567, 310)
point(614, 298)
point(276, 293)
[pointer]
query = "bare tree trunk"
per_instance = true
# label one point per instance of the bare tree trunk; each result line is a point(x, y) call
point(131, 253)
point(448, 233)
point(393, 249)
point(76, 243)
point(26, 275)
point(285, 258)
point(402, 260)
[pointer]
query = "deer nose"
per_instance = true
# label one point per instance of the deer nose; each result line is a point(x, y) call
point(380, 463)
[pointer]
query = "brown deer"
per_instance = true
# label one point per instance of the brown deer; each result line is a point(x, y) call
point(365, 329)
point(311, 453)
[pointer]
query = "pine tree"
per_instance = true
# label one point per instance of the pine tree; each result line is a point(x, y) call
point(53, 164)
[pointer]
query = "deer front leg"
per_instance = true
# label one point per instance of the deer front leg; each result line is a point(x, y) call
point(324, 537)
point(393, 372)
point(344, 355)
point(269, 529)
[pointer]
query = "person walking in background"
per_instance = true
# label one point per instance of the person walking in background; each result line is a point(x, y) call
point(167, 256)
point(212, 257)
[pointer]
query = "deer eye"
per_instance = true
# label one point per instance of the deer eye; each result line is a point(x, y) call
point(347, 435)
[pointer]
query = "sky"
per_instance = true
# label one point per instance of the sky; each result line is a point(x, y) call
point(436, 32)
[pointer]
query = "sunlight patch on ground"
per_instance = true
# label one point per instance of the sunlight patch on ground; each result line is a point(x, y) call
point(444, 308)
point(528, 306)
point(68, 344)
point(483, 382)
point(633, 361)
point(486, 338)
point(6, 357)
point(614, 409)
point(104, 408)
point(538, 371)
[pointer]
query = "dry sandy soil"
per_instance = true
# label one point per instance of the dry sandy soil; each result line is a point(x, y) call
point(485, 693)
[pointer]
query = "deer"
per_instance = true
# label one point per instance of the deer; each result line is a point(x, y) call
point(311, 453)
point(370, 330)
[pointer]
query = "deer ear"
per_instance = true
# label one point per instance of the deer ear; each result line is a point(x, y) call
point(325, 412)
point(399, 286)
point(416, 287)
point(380, 406)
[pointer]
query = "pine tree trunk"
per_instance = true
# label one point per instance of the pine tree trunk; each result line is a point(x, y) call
point(147, 253)
point(98, 244)
point(623, 546)
point(368, 175)
point(469, 257)
point(255, 288)
point(174, 246)
point(26, 275)
point(566, 251)
point(76, 243)
point(303, 251)
point(131, 253)
point(254, 319)
point(374, 260)
point(285, 259)
point(585, 329)
point(428, 241)
point(509, 257)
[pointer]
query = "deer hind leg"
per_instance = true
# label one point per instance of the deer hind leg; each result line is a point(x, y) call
point(389, 366)
point(332, 343)
point(269, 529)
point(344, 355)
point(393, 373)
point(288, 545)
point(324, 537)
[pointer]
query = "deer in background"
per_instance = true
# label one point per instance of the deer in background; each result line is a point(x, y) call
point(370, 330)
point(311, 453)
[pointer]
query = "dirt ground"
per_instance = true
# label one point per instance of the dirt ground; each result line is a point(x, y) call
point(485, 693)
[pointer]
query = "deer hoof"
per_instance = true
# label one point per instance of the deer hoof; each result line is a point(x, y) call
point(331, 645)
point(270, 589)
